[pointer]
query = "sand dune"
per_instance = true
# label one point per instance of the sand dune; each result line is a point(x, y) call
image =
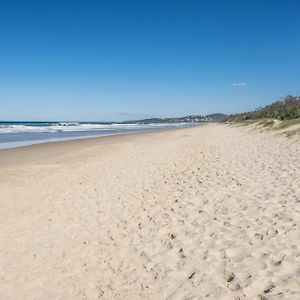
point(205, 213)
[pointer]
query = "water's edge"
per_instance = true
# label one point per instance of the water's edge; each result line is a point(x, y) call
point(22, 139)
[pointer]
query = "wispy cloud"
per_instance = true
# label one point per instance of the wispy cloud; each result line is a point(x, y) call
point(239, 84)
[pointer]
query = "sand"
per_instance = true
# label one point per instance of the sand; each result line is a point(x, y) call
point(211, 212)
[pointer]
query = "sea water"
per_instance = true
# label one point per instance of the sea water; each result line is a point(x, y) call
point(18, 134)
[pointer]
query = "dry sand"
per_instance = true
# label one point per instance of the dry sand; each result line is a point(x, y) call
point(203, 213)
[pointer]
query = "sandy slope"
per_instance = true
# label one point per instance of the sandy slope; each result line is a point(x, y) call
point(204, 213)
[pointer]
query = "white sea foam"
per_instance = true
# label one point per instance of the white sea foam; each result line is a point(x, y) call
point(73, 127)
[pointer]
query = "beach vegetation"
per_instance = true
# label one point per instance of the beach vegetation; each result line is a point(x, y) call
point(294, 132)
point(287, 123)
point(287, 109)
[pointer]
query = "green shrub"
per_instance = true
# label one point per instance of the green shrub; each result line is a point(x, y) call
point(281, 110)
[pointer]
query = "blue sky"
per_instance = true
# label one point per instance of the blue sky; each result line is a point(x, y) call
point(117, 60)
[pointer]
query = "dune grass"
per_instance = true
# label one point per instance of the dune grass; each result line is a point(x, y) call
point(266, 122)
point(272, 124)
point(292, 133)
point(244, 122)
point(288, 123)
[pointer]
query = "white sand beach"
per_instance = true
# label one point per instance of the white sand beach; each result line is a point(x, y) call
point(211, 212)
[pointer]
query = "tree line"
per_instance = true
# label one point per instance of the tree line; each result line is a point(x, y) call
point(289, 108)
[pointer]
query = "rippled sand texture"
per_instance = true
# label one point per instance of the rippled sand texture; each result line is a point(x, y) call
point(204, 213)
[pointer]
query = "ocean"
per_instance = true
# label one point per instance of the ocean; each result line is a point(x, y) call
point(19, 134)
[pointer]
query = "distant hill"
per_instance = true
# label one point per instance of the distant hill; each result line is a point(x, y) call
point(217, 117)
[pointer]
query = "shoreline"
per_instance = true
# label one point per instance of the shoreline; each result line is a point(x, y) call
point(34, 152)
point(26, 143)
